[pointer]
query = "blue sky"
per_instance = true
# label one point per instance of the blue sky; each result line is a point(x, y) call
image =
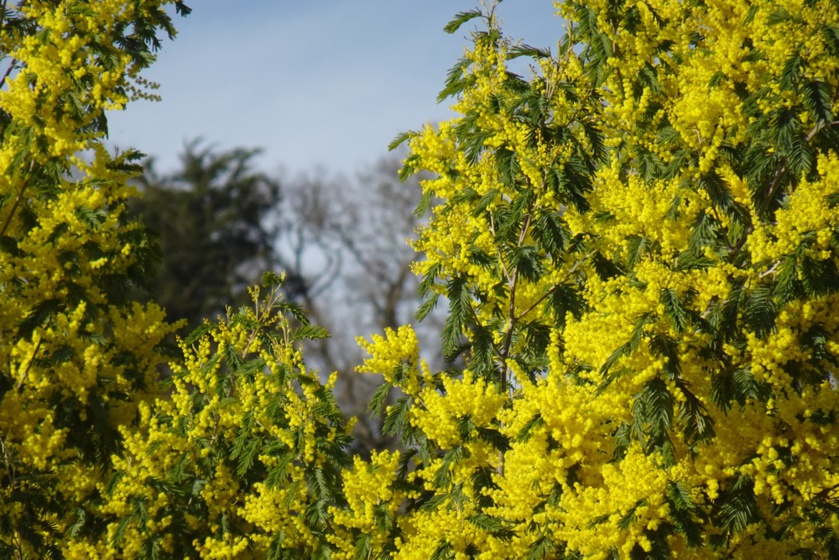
point(320, 82)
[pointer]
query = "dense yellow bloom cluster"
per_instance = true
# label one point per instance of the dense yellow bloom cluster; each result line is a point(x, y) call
point(78, 356)
point(396, 356)
point(639, 245)
point(466, 398)
point(373, 504)
point(223, 463)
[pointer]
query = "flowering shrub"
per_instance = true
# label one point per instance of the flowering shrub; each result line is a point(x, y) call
point(78, 357)
point(637, 244)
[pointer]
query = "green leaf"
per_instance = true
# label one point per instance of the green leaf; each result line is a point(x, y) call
point(425, 200)
point(271, 279)
point(309, 332)
point(378, 399)
point(507, 165)
point(484, 202)
point(459, 19)
point(541, 549)
point(529, 51)
point(679, 496)
point(526, 260)
point(79, 519)
point(276, 550)
point(788, 134)
point(460, 308)
point(760, 312)
point(627, 520)
point(409, 167)
point(636, 247)
point(739, 505)
point(830, 34)
point(781, 15)
point(563, 300)
point(674, 310)
point(791, 73)
point(278, 474)
point(550, 231)
point(457, 80)
point(429, 280)
point(693, 419)
point(400, 139)
point(817, 96)
point(739, 385)
point(819, 277)
point(666, 347)
point(786, 282)
point(491, 525)
point(524, 433)
point(623, 439)
point(444, 551)
point(483, 352)
point(363, 547)
point(654, 407)
point(495, 438)
point(396, 420)
point(427, 306)
point(617, 354)
point(246, 458)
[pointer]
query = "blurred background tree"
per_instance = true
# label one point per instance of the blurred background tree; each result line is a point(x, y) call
point(215, 226)
point(342, 244)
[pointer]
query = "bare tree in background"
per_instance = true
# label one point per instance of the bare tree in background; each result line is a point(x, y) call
point(344, 246)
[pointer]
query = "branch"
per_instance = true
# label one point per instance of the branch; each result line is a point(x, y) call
point(29, 366)
point(511, 313)
point(9, 70)
point(17, 200)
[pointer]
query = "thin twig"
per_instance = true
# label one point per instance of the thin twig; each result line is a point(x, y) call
point(542, 298)
point(29, 366)
point(508, 338)
point(9, 70)
point(511, 313)
point(17, 200)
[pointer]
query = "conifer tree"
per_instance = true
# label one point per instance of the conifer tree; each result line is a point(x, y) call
point(213, 221)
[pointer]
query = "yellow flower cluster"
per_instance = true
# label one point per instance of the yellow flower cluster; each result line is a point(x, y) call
point(470, 399)
point(396, 357)
point(680, 395)
point(223, 464)
point(78, 357)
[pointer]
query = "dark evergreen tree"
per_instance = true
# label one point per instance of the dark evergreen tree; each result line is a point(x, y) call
point(214, 218)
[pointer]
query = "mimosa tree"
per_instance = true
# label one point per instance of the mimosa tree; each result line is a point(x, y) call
point(638, 245)
point(76, 355)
